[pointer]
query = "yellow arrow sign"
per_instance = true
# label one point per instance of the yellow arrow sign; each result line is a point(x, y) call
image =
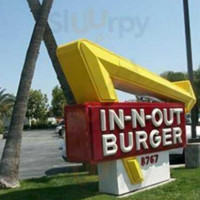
point(94, 72)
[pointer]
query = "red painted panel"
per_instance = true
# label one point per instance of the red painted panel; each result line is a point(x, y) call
point(84, 134)
point(78, 135)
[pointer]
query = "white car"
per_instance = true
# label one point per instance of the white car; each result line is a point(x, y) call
point(60, 128)
point(180, 151)
point(62, 148)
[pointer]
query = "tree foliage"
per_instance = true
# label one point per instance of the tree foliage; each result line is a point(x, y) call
point(179, 76)
point(174, 76)
point(6, 104)
point(58, 102)
point(197, 82)
point(37, 105)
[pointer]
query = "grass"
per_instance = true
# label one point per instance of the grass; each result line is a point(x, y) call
point(74, 186)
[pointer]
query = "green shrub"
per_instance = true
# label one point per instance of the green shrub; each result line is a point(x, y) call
point(1, 127)
point(40, 125)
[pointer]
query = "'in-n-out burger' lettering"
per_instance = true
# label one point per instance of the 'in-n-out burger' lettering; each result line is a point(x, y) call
point(143, 140)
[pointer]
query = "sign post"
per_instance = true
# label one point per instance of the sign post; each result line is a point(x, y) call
point(141, 134)
point(128, 141)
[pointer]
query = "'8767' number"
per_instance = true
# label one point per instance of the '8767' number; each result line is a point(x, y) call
point(146, 160)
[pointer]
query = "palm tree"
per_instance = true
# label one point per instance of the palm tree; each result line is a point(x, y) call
point(6, 106)
point(51, 46)
point(6, 103)
point(9, 166)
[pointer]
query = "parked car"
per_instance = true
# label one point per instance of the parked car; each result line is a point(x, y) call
point(62, 148)
point(60, 128)
point(174, 152)
point(51, 120)
point(5, 133)
point(188, 119)
point(180, 151)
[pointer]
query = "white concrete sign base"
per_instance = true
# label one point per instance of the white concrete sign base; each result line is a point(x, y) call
point(113, 178)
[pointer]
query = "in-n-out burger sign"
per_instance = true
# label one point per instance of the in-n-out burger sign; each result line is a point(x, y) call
point(97, 132)
point(132, 135)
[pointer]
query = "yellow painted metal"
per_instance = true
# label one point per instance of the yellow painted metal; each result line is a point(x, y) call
point(133, 170)
point(93, 74)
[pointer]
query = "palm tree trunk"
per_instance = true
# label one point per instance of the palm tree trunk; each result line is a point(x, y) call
point(9, 166)
point(51, 46)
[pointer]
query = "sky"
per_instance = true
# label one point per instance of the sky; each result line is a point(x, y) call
point(148, 32)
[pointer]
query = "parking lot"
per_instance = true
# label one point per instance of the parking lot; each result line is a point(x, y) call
point(40, 154)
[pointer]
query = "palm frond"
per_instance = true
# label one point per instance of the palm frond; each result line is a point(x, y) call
point(6, 103)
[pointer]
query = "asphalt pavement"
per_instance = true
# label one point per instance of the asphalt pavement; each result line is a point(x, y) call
point(40, 155)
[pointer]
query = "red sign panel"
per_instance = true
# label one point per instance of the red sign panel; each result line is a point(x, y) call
point(97, 132)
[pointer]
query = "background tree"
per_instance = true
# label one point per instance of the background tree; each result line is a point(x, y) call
point(197, 81)
point(58, 102)
point(9, 166)
point(37, 105)
point(6, 106)
point(174, 76)
point(170, 76)
point(179, 76)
